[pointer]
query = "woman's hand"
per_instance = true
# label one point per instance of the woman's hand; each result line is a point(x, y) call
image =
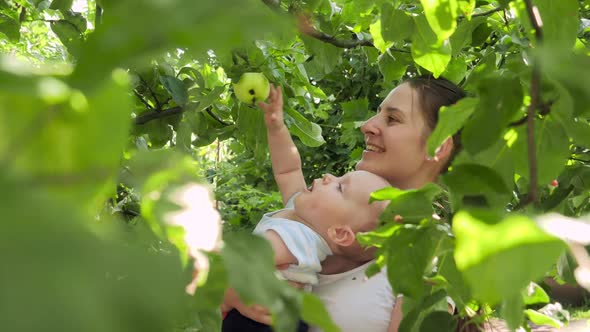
point(273, 110)
point(255, 312)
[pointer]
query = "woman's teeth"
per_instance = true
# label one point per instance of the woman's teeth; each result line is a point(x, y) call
point(373, 148)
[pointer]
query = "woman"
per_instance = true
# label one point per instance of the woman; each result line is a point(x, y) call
point(395, 141)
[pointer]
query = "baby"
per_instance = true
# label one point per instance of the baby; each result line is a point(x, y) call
point(318, 220)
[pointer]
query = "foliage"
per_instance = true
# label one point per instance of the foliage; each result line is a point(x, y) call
point(113, 105)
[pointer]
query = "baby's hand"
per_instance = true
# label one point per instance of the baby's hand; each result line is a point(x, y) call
point(273, 110)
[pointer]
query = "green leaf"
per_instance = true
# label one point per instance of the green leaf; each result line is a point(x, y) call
point(314, 313)
point(500, 100)
point(70, 250)
point(209, 296)
point(516, 244)
point(534, 294)
point(412, 205)
point(208, 99)
point(69, 140)
point(451, 119)
point(551, 61)
point(498, 157)
point(438, 321)
point(409, 241)
point(412, 319)
point(471, 179)
point(456, 70)
point(566, 265)
point(392, 67)
point(62, 5)
point(457, 288)
point(474, 180)
point(511, 311)
point(442, 16)
point(188, 25)
point(355, 110)
point(462, 35)
point(325, 57)
point(10, 27)
point(541, 319)
point(250, 265)
point(396, 25)
point(560, 22)
point(552, 150)
point(308, 132)
point(427, 50)
point(251, 130)
point(176, 88)
point(378, 41)
point(77, 19)
point(69, 35)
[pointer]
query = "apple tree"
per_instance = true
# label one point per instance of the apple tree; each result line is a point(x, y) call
point(117, 119)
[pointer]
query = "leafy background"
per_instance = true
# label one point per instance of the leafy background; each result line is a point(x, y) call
point(107, 107)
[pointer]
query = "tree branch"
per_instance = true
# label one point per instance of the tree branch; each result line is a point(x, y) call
point(154, 114)
point(342, 43)
point(214, 116)
point(489, 12)
point(97, 15)
point(533, 14)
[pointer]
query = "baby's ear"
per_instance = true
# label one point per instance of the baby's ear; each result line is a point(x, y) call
point(341, 235)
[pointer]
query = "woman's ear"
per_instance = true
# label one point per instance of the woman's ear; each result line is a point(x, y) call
point(341, 235)
point(444, 150)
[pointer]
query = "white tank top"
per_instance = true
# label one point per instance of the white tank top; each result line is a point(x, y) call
point(355, 302)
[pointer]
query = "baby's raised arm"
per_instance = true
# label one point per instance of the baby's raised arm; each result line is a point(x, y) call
point(286, 162)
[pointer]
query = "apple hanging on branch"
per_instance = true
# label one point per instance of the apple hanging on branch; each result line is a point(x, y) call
point(252, 88)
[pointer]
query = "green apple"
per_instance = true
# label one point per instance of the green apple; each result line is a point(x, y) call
point(252, 88)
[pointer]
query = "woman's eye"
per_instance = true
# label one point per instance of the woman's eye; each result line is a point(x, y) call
point(391, 119)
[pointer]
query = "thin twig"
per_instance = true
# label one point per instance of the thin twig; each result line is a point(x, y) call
point(158, 105)
point(535, 97)
point(489, 12)
point(217, 118)
point(97, 15)
point(580, 160)
point(143, 101)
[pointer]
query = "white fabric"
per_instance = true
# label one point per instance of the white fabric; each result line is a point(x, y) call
point(304, 243)
point(355, 302)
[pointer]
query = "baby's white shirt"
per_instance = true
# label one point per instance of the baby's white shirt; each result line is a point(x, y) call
point(304, 243)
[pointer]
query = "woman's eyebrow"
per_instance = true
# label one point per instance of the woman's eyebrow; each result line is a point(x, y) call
point(389, 109)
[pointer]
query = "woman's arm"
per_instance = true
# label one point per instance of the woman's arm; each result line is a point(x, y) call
point(396, 315)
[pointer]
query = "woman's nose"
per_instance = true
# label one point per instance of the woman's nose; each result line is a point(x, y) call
point(370, 127)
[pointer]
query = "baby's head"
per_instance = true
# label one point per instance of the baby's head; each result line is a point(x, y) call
point(338, 207)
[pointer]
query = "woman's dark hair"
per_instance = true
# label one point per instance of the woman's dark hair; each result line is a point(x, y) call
point(433, 93)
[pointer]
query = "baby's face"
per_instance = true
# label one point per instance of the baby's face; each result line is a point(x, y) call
point(335, 200)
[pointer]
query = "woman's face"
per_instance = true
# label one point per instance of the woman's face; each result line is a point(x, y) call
point(396, 141)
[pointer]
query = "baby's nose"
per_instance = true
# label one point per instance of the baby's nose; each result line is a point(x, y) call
point(327, 178)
